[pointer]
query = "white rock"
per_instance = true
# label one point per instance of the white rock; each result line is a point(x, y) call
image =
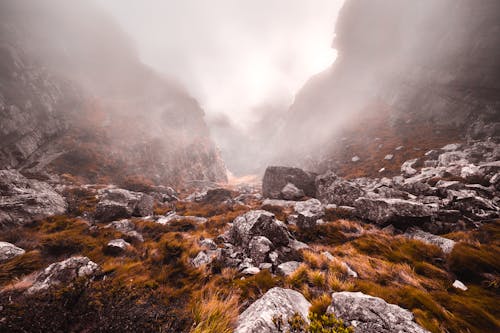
point(9, 251)
point(459, 285)
point(287, 268)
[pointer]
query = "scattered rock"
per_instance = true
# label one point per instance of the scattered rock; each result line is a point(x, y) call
point(396, 211)
point(291, 192)
point(23, 199)
point(116, 203)
point(117, 246)
point(388, 157)
point(459, 285)
point(201, 259)
point(9, 251)
point(370, 314)
point(259, 223)
point(408, 167)
point(167, 219)
point(215, 196)
point(355, 159)
point(64, 272)
point(332, 189)
point(287, 268)
point(308, 212)
point(277, 177)
point(277, 304)
point(445, 244)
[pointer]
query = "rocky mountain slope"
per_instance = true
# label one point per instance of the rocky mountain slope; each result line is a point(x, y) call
point(405, 77)
point(76, 99)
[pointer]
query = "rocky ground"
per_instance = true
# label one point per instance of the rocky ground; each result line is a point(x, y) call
point(413, 253)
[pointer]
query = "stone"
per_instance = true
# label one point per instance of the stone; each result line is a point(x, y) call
point(64, 272)
point(117, 203)
point(167, 219)
point(277, 177)
point(208, 244)
point(287, 268)
point(259, 248)
point(445, 244)
point(368, 314)
point(355, 159)
point(332, 189)
point(395, 211)
point(388, 157)
point(23, 200)
point(291, 192)
point(308, 212)
point(350, 272)
point(459, 285)
point(215, 196)
point(201, 259)
point(122, 226)
point(408, 167)
point(276, 304)
point(117, 246)
point(278, 203)
point(9, 251)
point(258, 223)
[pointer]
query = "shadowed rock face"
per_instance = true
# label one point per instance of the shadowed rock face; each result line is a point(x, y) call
point(368, 314)
point(75, 98)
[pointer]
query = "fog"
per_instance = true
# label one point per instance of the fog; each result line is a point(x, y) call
point(232, 56)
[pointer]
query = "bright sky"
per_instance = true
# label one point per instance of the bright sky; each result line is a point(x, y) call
point(233, 55)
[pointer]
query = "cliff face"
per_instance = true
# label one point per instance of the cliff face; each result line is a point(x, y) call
point(75, 98)
point(430, 63)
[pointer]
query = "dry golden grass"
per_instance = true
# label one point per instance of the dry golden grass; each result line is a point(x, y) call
point(213, 312)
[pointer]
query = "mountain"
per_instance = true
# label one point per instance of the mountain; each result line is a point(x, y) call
point(405, 76)
point(75, 98)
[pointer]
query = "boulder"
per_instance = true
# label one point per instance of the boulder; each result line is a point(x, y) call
point(408, 168)
point(287, 268)
point(400, 212)
point(64, 272)
point(23, 199)
point(126, 227)
point(291, 192)
point(258, 223)
point(116, 203)
point(459, 285)
point(117, 246)
point(259, 248)
point(332, 189)
point(368, 314)
point(215, 196)
point(9, 251)
point(308, 212)
point(201, 259)
point(445, 244)
point(278, 304)
point(277, 177)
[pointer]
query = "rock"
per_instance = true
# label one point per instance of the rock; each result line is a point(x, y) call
point(201, 259)
point(122, 226)
point(9, 251)
point(355, 159)
point(277, 177)
point(215, 196)
point(117, 246)
point(258, 223)
point(445, 244)
point(369, 314)
point(64, 272)
point(350, 272)
point(287, 268)
point(291, 192)
point(278, 203)
point(388, 157)
point(308, 212)
point(396, 211)
point(116, 203)
point(451, 147)
point(459, 285)
point(408, 167)
point(266, 266)
point(251, 270)
point(332, 189)
point(174, 217)
point(259, 248)
point(297, 245)
point(23, 199)
point(208, 244)
point(277, 303)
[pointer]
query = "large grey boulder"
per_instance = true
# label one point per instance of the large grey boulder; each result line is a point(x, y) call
point(23, 199)
point(277, 304)
point(277, 177)
point(64, 272)
point(368, 314)
point(116, 203)
point(259, 223)
point(9, 251)
point(308, 212)
point(397, 211)
point(332, 189)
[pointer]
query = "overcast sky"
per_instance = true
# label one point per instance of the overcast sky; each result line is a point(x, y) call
point(232, 55)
